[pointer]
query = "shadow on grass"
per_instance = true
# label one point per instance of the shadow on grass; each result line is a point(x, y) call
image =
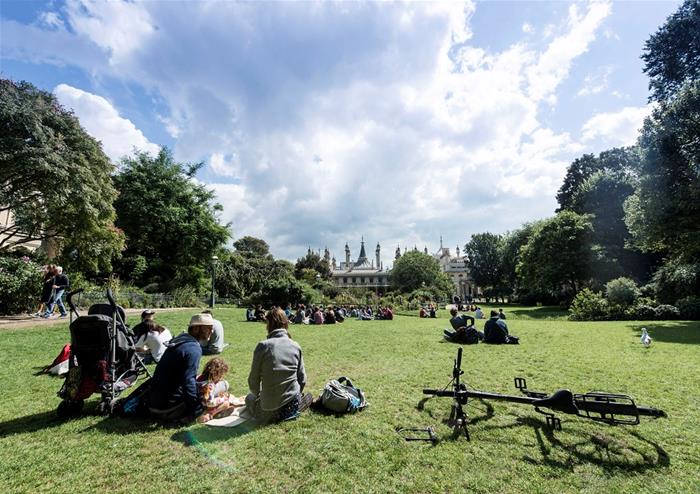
point(687, 332)
point(606, 452)
point(547, 312)
point(205, 434)
point(31, 423)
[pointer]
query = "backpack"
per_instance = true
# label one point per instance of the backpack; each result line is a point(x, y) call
point(342, 398)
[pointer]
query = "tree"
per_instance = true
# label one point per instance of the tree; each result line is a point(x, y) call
point(312, 261)
point(167, 218)
point(672, 55)
point(252, 247)
point(55, 180)
point(620, 161)
point(415, 270)
point(509, 255)
point(483, 253)
point(663, 214)
point(555, 260)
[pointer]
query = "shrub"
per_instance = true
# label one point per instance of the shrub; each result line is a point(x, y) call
point(666, 312)
point(622, 292)
point(185, 296)
point(588, 306)
point(643, 312)
point(689, 308)
point(20, 284)
point(675, 280)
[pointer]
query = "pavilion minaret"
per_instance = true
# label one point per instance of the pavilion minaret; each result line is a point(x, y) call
point(327, 255)
point(347, 256)
point(363, 255)
point(398, 253)
point(377, 254)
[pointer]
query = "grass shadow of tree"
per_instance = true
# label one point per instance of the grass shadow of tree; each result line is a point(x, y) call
point(546, 312)
point(687, 332)
point(609, 453)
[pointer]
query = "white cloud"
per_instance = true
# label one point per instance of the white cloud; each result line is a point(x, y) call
point(619, 128)
point(51, 20)
point(528, 28)
point(596, 82)
point(120, 28)
point(413, 124)
point(119, 136)
point(554, 64)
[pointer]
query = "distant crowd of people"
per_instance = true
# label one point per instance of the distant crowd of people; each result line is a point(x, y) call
point(318, 314)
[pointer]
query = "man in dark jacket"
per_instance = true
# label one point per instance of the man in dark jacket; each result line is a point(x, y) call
point(173, 393)
point(60, 285)
point(496, 331)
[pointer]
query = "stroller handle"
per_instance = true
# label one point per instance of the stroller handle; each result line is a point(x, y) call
point(69, 299)
point(110, 297)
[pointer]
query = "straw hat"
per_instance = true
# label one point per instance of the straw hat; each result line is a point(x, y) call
point(201, 320)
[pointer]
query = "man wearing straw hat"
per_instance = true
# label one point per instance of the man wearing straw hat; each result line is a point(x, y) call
point(173, 393)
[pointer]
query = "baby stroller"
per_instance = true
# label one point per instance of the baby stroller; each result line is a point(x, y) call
point(103, 358)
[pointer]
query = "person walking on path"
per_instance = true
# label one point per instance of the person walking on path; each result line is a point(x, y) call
point(46, 290)
point(60, 285)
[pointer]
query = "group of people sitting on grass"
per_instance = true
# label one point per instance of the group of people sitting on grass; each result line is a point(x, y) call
point(318, 314)
point(276, 380)
point(464, 330)
point(152, 339)
point(429, 311)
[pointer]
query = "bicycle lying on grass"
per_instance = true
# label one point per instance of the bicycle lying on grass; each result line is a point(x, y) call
point(609, 408)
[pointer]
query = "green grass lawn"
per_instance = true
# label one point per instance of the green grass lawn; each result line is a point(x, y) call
point(510, 451)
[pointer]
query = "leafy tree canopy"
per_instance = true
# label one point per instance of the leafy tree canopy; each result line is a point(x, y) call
point(251, 247)
point(556, 257)
point(484, 259)
point(664, 213)
point(55, 180)
point(169, 219)
point(621, 162)
point(415, 270)
point(672, 55)
point(312, 261)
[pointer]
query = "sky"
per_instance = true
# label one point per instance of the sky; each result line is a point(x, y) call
point(321, 123)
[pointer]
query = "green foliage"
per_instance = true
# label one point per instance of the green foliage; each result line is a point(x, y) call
point(312, 262)
point(676, 279)
point(20, 284)
point(664, 212)
point(415, 270)
point(643, 312)
point(251, 247)
point(168, 219)
point(484, 260)
point(622, 292)
point(588, 306)
point(510, 256)
point(556, 258)
point(667, 312)
point(689, 308)
point(185, 296)
point(280, 292)
point(55, 180)
point(672, 55)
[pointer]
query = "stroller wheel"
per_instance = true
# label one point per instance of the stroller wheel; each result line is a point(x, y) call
point(69, 409)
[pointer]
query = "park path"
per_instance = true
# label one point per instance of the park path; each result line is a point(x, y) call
point(27, 321)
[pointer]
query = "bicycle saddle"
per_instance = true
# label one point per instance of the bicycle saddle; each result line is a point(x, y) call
point(562, 401)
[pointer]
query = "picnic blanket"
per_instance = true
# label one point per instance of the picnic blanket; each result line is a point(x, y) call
point(237, 417)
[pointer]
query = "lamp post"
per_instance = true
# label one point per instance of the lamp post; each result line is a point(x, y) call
point(213, 278)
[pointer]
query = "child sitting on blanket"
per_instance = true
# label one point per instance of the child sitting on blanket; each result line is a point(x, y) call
point(213, 390)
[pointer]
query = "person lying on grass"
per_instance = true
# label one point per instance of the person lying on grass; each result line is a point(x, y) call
point(277, 376)
point(173, 394)
point(213, 391)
